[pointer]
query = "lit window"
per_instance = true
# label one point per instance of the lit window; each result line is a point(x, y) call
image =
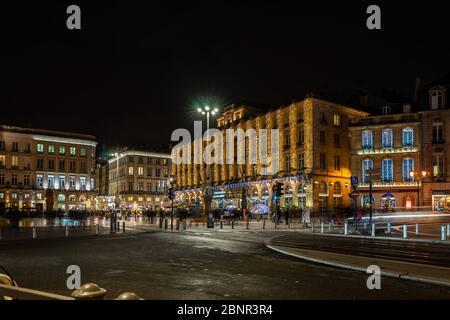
point(40, 147)
point(408, 170)
point(408, 137)
point(51, 148)
point(73, 151)
point(82, 182)
point(337, 120)
point(61, 197)
point(387, 138)
point(141, 171)
point(367, 165)
point(387, 170)
point(83, 152)
point(15, 161)
point(367, 139)
point(130, 171)
point(62, 150)
point(2, 160)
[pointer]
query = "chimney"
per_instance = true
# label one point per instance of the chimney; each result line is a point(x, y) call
point(364, 98)
point(417, 88)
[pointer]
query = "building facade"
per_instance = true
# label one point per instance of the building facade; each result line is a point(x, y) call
point(386, 151)
point(435, 152)
point(314, 160)
point(46, 170)
point(139, 178)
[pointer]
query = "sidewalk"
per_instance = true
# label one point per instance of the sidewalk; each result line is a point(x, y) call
point(389, 268)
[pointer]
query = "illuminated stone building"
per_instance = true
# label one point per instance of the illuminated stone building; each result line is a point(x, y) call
point(314, 159)
point(46, 170)
point(387, 149)
point(139, 178)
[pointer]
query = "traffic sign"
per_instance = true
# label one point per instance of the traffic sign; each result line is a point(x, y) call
point(355, 180)
point(354, 194)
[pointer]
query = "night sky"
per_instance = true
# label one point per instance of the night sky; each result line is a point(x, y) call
point(134, 72)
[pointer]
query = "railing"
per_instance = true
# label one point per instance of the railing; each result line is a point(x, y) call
point(397, 118)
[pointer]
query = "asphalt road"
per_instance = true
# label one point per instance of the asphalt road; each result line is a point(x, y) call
point(193, 265)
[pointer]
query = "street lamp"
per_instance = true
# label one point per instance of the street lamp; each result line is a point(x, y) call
point(207, 111)
point(117, 198)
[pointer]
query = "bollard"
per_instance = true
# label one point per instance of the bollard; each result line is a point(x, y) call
point(123, 226)
point(118, 226)
point(312, 227)
point(160, 223)
point(248, 222)
point(34, 233)
point(332, 222)
point(417, 228)
point(443, 233)
point(405, 232)
point(264, 224)
point(67, 232)
point(329, 226)
point(373, 229)
point(184, 224)
point(346, 228)
point(389, 227)
point(89, 291)
point(178, 224)
point(321, 227)
point(232, 224)
point(166, 224)
point(97, 229)
point(221, 224)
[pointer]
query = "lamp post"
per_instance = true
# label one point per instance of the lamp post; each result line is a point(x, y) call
point(207, 111)
point(171, 197)
point(117, 197)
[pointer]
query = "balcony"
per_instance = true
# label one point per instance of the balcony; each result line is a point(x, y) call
point(375, 151)
point(391, 119)
point(438, 141)
point(391, 184)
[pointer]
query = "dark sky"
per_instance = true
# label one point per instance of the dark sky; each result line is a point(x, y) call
point(134, 71)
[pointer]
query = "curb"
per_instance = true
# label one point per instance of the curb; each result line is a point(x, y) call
point(386, 273)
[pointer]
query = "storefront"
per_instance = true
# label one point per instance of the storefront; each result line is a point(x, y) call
point(441, 200)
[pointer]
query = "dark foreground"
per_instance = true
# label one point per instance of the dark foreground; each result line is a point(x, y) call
point(202, 265)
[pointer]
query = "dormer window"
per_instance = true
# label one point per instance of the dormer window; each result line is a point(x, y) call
point(386, 110)
point(437, 98)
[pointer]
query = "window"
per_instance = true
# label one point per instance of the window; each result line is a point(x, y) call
point(141, 171)
point(337, 189)
point(27, 147)
point(158, 172)
point(386, 110)
point(14, 195)
point(323, 137)
point(408, 170)
point(387, 138)
point(287, 167)
point(73, 151)
point(130, 159)
point(367, 139)
point(301, 161)
point(62, 182)
point(438, 133)
point(72, 182)
point(141, 159)
point(130, 171)
point(2, 195)
point(51, 181)
point(83, 166)
point(82, 182)
point(437, 98)
point(26, 180)
point(367, 166)
point(40, 147)
point(15, 146)
point(287, 139)
point(83, 152)
point(51, 148)
point(323, 161)
point(301, 137)
point(40, 164)
point(39, 180)
point(337, 120)
point(408, 137)
point(14, 161)
point(337, 163)
point(130, 186)
point(337, 140)
point(2, 145)
point(322, 117)
point(140, 186)
point(301, 116)
point(72, 198)
point(387, 170)
point(323, 188)
point(62, 149)
point(149, 171)
point(149, 187)
point(72, 166)
point(438, 165)
point(2, 160)
point(2, 178)
point(51, 164)
point(14, 179)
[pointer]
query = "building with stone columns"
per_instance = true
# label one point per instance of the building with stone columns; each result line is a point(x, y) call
point(314, 159)
point(46, 169)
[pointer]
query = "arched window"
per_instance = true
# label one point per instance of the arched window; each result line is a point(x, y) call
point(408, 137)
point(387, 138)
point(367, 139)
point(408, 170)
point(301, 188)
point(367, 165)
point(82, 198)
point(337, 189)
point(61, 197)
point(72, 198)
point(323, 189)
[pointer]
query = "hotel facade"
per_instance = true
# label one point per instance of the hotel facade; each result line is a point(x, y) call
point(314, 160)
point(139, 178)
point(46, 170)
